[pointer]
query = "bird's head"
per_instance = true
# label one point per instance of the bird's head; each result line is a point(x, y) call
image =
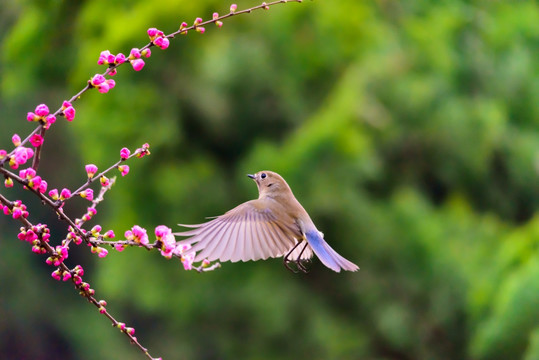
point(270, 184)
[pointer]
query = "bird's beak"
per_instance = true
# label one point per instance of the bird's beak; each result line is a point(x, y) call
point(251, 176)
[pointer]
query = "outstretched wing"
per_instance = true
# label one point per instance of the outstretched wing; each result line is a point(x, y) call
point(250, 231)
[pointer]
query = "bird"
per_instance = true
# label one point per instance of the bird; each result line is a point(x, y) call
point(273, 225)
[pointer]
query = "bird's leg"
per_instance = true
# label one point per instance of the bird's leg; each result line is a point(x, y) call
point(286, 260)
point(299, 264)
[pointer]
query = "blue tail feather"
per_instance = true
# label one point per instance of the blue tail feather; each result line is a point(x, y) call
point(326, 254)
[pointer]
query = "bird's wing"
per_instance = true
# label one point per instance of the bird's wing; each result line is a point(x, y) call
point(250, 231)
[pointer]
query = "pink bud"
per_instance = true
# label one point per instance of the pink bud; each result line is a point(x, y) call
point(51, 119)
point(69, 113)
point(161, 231)
point(120, 59)
point(215, 15)
point(8, 182)
point(56, 275)
point(233, 8)
point(152, 32)
point(124, 153)
point(124, 169)
point(119, 247)
point(198, 21)
point(32, 117)
point(109, 234)
point(88, 194)
point(91, 169)
point(103, 88)
point(134, 54)
point(201, 29)
point(65, 194)
point(104, 181)
point(43, 187)
point(102, 252)
point(137, 64)
point(162, 42)
point(54, 194)
point(97, 80)
point(16, 139)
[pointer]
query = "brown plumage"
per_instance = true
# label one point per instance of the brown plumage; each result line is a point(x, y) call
point(273, 225)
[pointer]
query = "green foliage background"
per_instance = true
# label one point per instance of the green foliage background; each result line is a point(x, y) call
point(408, 130)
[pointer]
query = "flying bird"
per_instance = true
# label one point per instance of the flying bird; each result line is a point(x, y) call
point(273, 225)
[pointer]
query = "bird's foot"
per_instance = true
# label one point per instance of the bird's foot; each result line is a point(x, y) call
point(299, 266)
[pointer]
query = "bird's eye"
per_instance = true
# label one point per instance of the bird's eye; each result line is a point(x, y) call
point(263, 175)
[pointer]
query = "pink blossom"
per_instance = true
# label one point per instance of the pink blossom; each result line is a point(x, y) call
point(32, 117)
point(27, 173)
point(102, 252)
point(87, 194)
point(66, 104)
point(91, 169)
point(169, 245)
point(97, 80)
point(161, 42)
point(96, 230)
point(21, 156)
point(42, 110)
point(104, 181)
point(124, 169)
point(161, 231)
point(109, 234)
point(187, 261)
point(36, 140)
point(201, 29)
point(69, 113)
point(124, 153)
point(103, 56)
point(137, 64)
point(78, 270)
point(119, 247)
point(183, 26)
point(3, 154)
point(16, 139)
point(215, 16)
point(64, 194)
point(35, 182)
point(56, 275)
point(153, 32)
point(54, 194)
point(42, 187)
point(49, 120)
point(103, 88)
point(67, 276)
point(134, 54)
point(233, 8)
point(138, 235)
point(144, 150)
point(120, 59)
point(198, 21)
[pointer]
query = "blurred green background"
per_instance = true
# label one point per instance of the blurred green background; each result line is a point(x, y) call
point(408, 130)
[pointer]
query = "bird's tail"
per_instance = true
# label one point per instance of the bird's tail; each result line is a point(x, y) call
point(327, 255)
